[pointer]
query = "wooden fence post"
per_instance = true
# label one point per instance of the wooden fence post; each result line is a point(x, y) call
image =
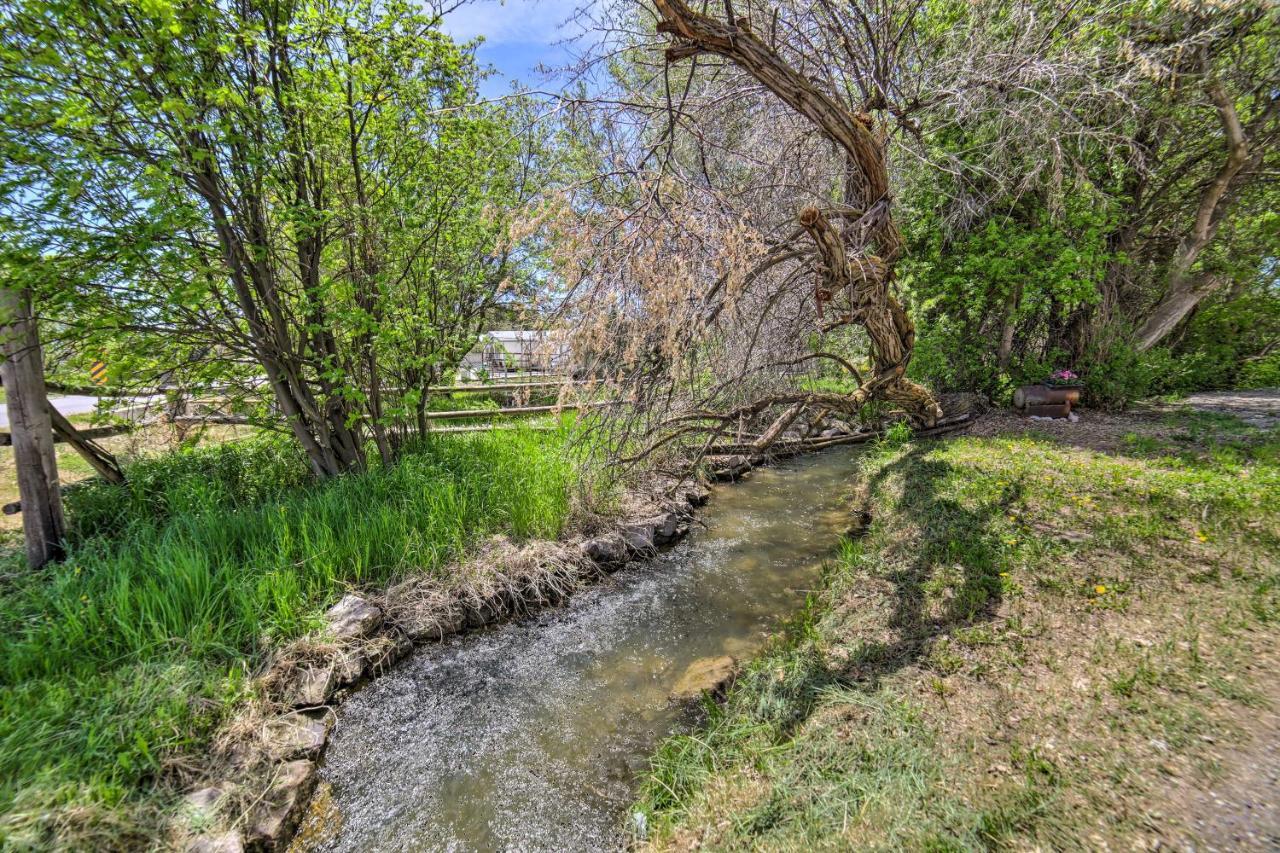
point(22, 369)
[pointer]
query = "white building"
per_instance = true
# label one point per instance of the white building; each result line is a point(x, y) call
point(511, 354)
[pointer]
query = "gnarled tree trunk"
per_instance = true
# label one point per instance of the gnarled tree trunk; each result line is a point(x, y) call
point(1185, 290)
point(856, 262)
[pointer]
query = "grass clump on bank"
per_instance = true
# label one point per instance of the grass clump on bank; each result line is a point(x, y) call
point(118, 662)
point(1034, 645)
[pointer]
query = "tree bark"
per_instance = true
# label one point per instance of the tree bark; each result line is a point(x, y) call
point(1185, 291)
point(31, 429)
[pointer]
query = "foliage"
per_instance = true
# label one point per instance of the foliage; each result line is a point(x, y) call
point(304, 199)
point(127, 654)
point(1089, 249)
point(988, 299)
point(190, 481)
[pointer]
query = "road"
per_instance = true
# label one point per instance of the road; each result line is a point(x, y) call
point(69, 404)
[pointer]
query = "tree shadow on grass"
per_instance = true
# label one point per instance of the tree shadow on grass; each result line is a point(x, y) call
point(951, 581)
point(953, 578)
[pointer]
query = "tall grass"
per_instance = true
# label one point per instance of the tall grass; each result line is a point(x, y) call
point(204, 564)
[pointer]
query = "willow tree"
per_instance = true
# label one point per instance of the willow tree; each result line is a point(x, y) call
point(744, 227)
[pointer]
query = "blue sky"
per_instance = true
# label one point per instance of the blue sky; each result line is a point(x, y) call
point(519, 35)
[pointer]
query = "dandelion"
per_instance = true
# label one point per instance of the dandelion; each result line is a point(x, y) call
point(1201, 536)
point(1100, 589)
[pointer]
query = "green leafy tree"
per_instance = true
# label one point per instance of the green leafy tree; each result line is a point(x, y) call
point(304, 195)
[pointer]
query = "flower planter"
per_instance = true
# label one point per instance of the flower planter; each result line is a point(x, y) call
point(1064, 392)
point(1045, 395)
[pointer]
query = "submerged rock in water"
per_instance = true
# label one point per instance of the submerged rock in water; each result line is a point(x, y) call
point(711, 674)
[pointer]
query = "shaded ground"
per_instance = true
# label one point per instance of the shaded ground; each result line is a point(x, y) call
point(1054, 636)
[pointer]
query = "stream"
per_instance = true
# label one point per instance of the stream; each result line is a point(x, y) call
point(531, 735)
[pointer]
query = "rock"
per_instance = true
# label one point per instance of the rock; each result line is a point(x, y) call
point(665, 527)
point(639, 537)
point(397, 646)
point(352, 617)
point(609, 549)
point(725, 468)
point(202, 803)
point(348, 666)
point(696, 495)
point(227, 842)
point(280, 809)
point(296, 735)
point(963, 403)
point(311, 686)
point(434, 626)
point(711, 674)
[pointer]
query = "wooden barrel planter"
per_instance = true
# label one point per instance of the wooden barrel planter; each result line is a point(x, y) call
point(1047, 410)
point(1046, 401)
point(1045, 395)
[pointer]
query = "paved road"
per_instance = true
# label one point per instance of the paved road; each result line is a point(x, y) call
point(70, 404)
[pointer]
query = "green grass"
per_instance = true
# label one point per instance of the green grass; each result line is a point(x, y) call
point(1029, 643)
point(127, 655)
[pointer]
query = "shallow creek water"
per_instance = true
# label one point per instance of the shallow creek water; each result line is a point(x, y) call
point(530, 736)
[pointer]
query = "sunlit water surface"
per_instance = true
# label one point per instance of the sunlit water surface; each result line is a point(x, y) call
point(530, 736)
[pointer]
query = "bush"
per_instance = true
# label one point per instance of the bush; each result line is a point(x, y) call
point(191, 481)
point(1261, 373)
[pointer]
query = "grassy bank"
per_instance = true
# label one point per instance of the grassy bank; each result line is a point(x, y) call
point(1035, 644)
point(116, 665)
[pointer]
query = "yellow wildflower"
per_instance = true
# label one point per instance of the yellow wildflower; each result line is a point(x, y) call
point(1100, 589)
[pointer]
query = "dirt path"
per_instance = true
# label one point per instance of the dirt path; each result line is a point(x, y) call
point(1240, 810)
point(1259, 408)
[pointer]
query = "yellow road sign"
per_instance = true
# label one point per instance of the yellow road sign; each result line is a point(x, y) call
point(98, 373)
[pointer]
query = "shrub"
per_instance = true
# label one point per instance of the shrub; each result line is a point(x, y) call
point(1261, 373)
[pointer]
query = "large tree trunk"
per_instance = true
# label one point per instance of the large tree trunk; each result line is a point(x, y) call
point(1185, 291)
point(31, 429)
point(849, 265)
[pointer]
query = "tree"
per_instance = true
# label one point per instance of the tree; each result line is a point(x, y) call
point(303, 193)
point(689, 275)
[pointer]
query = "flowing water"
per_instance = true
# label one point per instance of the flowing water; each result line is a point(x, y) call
point(530, 736)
